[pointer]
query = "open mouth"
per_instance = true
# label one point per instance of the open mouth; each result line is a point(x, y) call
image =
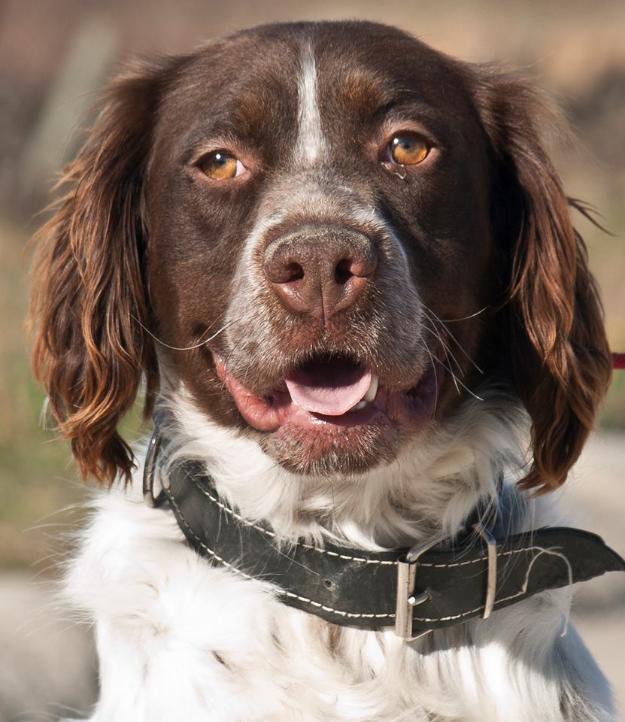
point(333, 393)
point(331, 386)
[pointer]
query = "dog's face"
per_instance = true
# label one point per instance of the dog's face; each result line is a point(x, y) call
point(324, 224)
point(319, 215)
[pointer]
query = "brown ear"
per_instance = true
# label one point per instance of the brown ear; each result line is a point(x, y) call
point(89, 297)
point(553, 340)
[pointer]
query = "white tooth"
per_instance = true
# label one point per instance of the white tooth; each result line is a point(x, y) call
point(372, 390)
point(360, 405)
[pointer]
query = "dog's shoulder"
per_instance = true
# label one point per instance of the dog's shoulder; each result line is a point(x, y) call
point(170, 628)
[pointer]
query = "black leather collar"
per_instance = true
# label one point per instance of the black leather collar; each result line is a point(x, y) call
point(415, 591)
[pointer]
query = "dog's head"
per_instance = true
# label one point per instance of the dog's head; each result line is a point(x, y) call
point(335, 233)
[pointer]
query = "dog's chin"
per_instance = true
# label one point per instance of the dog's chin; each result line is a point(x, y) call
point(342, 422)
point(326, 453)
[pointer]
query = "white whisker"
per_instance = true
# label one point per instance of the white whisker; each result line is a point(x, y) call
point(187, 348)
point(459, 381)
point(448, 352)
point(453, 375)
point(429, 353)
point(463, 318)
point(433, 317)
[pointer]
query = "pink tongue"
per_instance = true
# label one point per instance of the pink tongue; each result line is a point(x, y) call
point(330, 389)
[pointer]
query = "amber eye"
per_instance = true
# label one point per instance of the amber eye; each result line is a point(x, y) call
point(408, 149)
point(220, 165)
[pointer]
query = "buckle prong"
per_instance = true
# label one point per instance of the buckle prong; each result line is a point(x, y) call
point(406, 578)
point(150, 470)
point(491, 582)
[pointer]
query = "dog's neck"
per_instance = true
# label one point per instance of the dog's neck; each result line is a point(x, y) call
point(434, 484)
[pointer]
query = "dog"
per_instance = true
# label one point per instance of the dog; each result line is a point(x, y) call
point(342, 268)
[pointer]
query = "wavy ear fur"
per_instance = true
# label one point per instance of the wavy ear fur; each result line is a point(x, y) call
point(88, 291)
point(552, 341)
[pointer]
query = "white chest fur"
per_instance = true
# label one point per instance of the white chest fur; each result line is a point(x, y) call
point(181, 640)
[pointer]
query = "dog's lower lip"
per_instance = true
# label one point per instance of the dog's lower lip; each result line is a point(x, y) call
point(277, 412)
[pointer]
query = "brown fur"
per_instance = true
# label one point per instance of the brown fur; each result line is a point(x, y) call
point(91, 297)
point(88, 286)
point(558, 353)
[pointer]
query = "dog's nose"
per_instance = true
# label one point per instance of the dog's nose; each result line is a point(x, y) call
point(320, 271)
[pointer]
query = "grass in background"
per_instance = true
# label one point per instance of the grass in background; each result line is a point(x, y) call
point(36, 475)
point(613, 413)
point(39, 488)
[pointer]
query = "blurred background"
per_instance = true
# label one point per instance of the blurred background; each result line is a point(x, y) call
point(55, 57)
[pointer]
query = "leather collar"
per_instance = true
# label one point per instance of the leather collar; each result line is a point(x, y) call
point(431, 586)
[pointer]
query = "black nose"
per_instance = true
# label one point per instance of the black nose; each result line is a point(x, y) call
point(319, 270)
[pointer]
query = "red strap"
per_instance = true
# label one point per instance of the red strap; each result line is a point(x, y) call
point(618, 361)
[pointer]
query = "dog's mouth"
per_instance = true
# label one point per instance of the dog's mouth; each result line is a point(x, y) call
point(332, 393)
point(332, 386)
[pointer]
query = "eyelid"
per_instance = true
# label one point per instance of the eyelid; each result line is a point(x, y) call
point(397, 125)
point(199, 157)
point(221, 144)
point(244, 166)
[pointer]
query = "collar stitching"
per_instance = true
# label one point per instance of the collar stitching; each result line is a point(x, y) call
point(320, 550)
point(306, 600)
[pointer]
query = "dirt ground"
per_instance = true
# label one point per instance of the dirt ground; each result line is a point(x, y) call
point(47, 665)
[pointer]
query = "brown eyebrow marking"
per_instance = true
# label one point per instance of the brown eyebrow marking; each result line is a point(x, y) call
point(364, 93)
point(372, 98)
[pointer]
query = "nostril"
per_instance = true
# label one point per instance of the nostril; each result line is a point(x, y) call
point(285, 272)
point(292, 272)
point(343, 271)
point(319, 271)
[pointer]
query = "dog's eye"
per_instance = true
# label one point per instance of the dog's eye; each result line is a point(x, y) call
point(408, 149)
point(220, 165)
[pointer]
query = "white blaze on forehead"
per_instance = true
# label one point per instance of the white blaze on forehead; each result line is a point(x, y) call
point(310, 139)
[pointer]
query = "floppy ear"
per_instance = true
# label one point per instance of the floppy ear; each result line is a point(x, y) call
point(89, 296)
point(553, 340)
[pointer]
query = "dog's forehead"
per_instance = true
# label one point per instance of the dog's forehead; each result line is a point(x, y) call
point(263, 84)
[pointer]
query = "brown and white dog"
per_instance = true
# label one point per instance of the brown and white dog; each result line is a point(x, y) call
point(346, 264)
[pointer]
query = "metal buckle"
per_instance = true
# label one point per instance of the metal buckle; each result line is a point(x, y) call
point(406, 577)
point(149, 472)
point(491, 581)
